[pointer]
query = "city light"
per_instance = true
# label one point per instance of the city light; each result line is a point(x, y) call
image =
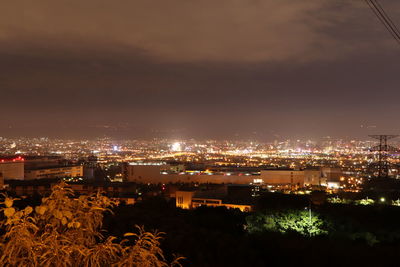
point(176, 147)
point(199, 133)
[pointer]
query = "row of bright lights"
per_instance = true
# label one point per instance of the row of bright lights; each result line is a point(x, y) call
point(13, 160)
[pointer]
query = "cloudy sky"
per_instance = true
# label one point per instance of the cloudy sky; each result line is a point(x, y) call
point(143, 68)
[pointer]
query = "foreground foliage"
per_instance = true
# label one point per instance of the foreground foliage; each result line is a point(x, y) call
point(66, 231)
point(216, 236)
point(298, 221)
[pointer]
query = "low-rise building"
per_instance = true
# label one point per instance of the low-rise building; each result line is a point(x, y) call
point(191, 200)
point(54, 172)
point(123, 191)
point(158, 172)
point(143, 172)
point(300, 178)
point(12, 168)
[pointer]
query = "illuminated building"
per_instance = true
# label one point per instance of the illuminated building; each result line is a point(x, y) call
point(143, 172)
point(184, 199)
point(56, 172)
point(191, 200)
point(293, 177)
point(158, 172)
point(331, 174)
point(12, 168)
point(35, 162)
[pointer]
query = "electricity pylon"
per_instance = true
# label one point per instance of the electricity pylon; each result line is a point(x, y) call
point(383, 150)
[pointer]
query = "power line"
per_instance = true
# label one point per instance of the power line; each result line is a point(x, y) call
point(387, 16)
point(380, 13)
point(383, 150)
point(382, 16)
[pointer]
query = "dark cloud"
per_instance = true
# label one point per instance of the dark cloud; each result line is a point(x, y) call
point(175, 30)
point(209, 67)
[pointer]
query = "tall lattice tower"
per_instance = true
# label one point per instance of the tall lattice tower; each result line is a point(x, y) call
point(383, 149)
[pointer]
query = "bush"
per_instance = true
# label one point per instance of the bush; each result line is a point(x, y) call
point(298, 221)
point(66, 231)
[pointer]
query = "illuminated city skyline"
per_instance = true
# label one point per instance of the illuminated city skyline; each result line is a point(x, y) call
point(194, 133)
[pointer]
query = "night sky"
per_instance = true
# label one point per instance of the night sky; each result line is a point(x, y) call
point(259, 69)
